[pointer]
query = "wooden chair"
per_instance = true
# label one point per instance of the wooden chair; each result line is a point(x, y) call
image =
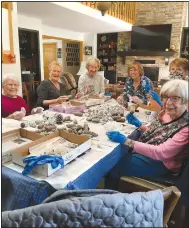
point(25, 93)
point(171, 194)
point(29, 91)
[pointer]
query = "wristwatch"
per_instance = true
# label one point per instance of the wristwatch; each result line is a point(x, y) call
point(130, 143)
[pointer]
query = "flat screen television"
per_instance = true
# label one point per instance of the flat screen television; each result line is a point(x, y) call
point(151, 37)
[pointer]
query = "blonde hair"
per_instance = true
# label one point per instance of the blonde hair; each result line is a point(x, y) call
point(140, 67)
point(179, 87)
point(93, 60)
point(9, 76)
point(180, 62)
point(54, 63)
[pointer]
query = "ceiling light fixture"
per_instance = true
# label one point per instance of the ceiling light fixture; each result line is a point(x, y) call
point(103, 6)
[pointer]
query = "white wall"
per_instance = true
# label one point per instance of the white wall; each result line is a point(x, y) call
point(14, 67)
point(187, 11)
point(28, 22)
point(90, 39)
point(58, 45)
point(67, 34)
point(33, 24)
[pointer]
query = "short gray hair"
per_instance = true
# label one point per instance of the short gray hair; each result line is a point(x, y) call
point(92, 60)
point(179, 87)
point(9, 76)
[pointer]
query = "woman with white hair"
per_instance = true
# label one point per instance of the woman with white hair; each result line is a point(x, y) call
point(162, 146)
point(91, 82)
point(51, 91)
point(13, 106)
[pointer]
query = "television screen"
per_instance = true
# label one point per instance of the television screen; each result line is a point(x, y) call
point(151, 37)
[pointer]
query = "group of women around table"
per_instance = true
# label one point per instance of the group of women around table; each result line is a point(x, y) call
point(162, 146)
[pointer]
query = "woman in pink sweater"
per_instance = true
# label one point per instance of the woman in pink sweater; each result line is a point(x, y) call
point(163, 146)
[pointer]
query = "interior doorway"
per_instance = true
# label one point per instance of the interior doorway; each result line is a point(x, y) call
point(69, 53)
point(49, 55)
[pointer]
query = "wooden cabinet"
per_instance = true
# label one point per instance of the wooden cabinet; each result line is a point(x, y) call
point(184, 49)
point(107, 54)
point(107, 50)
point(29, 53)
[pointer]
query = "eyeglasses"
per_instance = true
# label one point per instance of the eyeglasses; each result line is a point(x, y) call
point(173, 99)
point(11, 85)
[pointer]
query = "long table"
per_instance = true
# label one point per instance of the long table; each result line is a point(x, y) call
point(85, 172)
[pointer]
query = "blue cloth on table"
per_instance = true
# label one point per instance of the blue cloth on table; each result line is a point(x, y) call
point(91, 178)
point(25, 191)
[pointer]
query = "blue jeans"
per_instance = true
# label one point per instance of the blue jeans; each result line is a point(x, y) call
point(135, 165)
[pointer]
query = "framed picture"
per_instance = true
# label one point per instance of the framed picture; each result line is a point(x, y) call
point(59, 53)
point(88, 50)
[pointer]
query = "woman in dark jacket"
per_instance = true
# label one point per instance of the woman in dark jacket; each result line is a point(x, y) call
point(51, 91)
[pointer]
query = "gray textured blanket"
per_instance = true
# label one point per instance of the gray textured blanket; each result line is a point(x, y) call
point(91, 208)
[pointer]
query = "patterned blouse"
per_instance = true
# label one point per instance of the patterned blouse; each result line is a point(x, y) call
point(140, 92)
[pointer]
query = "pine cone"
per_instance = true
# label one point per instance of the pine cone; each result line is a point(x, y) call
point(59, 118)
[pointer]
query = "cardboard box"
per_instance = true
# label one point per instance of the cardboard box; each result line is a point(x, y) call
point(16, 139)
point(90, 101)
point(46, 170)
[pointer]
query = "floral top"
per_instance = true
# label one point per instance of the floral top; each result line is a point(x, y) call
point(130, 91)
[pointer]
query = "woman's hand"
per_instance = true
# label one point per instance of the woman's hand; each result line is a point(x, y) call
point(18, 114)
point(120, 99)
point(137, 100)
point(79, 95)
point(116, 136)
point(62, 99)
point(37, 110)
point(133, 120)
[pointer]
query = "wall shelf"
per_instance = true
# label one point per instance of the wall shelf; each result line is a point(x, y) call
point(124, 54)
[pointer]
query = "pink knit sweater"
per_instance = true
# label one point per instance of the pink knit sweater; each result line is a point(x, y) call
point(171, 152)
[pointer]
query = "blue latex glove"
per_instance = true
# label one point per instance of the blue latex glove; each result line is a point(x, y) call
point(133, 120)
point(156, 97)
point(33, 161)
point(116, 136)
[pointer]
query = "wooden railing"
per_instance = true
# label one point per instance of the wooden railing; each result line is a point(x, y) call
point(125, 11)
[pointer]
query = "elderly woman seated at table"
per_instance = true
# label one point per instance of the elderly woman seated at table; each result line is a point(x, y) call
point(179, 69)
point(162, 146)
point(139, 89)
point(91, 82)
point(51, 91)
point(13, 106)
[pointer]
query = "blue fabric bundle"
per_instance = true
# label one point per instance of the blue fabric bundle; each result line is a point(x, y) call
point(33, 161)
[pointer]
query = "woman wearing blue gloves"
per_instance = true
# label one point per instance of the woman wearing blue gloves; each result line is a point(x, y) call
point(163, 146)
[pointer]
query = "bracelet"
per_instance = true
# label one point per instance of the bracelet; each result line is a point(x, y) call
point(130, 143)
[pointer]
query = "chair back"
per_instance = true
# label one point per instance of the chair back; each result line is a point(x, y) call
point(171, 196)
point(29, 90)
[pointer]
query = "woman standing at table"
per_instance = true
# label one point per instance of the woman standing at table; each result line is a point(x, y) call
point(139, 89)
point(51, 91)
point(91, 81)
point(163, 146)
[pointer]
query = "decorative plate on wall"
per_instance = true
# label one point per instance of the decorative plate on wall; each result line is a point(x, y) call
point(103, 38)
